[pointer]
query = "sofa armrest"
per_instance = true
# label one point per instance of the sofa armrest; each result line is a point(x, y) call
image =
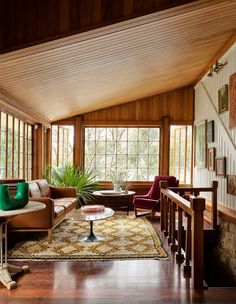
point(41, 219)
point(59, 192)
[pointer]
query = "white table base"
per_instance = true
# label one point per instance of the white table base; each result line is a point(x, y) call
point(7, 270)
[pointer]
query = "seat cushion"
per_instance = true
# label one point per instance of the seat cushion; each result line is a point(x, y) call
point(44, 187)
point(58, 210)
point(66, 202)
point(34, 190)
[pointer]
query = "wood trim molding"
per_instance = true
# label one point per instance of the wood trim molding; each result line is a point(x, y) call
point(21, 111)
point(224, 212)
point(131, 123)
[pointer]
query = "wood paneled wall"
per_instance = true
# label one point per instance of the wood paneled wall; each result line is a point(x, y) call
point(28, 22)
point(177, 104)
point(175, 107)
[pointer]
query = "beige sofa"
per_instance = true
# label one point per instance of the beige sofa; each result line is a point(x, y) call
point(58, 201)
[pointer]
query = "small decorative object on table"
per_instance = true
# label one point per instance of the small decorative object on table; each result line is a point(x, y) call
point(92, 209)
point(117, 178)
point(18, 201)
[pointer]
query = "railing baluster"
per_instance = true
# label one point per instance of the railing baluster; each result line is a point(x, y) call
point(179, 255)
point(173, 245)
point(187, 267)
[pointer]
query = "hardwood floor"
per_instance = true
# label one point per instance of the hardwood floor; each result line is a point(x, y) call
point(102, 282)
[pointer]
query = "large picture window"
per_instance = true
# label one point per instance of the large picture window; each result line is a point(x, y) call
point(181, 153)
point(132, 150)
point(16, 148)
point(62, 145)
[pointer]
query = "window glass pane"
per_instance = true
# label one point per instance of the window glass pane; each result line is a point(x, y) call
point(181, 153)
point(63, 145)
point(126, 150)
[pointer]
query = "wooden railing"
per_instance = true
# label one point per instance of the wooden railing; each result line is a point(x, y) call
point(182, 191)
point(193, 211)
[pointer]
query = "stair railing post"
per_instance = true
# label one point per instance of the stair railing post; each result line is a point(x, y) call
point(198, 207)
point(214, 204)
point(163, 205)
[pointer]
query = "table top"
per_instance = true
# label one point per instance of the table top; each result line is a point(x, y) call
point(30, 207)
point(78, 215)
point(113, 193)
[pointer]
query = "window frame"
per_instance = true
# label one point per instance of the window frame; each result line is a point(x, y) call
point(24, 168)
point(128, 125)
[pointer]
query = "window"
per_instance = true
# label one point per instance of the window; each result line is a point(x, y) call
point(133, 150)
point(16, 148)
point(62, 145)
point(181, 153)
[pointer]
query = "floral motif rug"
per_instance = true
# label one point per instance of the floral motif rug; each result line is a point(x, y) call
point(126, 237)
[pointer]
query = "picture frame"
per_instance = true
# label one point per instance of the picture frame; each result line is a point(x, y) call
point(232, 101)
point(211, 158)
point(223, 99)
point(211, 131)
point(200, 144)
point(220, 166)
point(231, 184)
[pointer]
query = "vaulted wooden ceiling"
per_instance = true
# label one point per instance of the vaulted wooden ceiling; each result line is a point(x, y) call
point(120, 62)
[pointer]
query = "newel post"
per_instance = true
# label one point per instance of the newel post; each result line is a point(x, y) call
point(214, 204)
point(197, 206)
point(163, 207)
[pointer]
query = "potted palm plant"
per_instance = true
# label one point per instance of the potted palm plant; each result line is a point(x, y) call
point(69, 175)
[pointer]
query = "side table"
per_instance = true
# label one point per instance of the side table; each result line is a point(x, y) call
point(114, 199)
point(6, 270)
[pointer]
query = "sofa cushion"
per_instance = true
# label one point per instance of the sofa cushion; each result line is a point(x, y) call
point(34, 190)
point(65, 202)
point(44, 188)
point(58, 210)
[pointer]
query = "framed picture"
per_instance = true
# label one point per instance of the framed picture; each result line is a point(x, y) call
point(200, 144)
point(231, 184)
point(210, 131)
point(223, 99)
point(211, 159)
point(220, 165)
point(232, 101)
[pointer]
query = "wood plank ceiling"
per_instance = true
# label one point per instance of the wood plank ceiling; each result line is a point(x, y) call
point(119, 63)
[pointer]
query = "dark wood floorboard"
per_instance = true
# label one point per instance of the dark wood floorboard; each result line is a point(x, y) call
point(109, 282)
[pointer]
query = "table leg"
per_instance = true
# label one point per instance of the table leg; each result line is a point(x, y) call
point(91, 237)
point(6, 270)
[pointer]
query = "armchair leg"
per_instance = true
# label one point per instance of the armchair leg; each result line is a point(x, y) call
point(153, 213)
point(135, 212)
point(50, 236)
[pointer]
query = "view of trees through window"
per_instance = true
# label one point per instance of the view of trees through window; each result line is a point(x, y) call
point(134, 151)
point(181, 153)
point(62, 145)
point(16, 148)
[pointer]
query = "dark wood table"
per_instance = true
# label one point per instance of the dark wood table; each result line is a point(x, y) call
point(117, 200)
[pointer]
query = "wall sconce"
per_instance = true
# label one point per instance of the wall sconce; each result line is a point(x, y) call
point(218, 66)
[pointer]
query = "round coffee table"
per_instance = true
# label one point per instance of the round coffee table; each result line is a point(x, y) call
point(90, 217)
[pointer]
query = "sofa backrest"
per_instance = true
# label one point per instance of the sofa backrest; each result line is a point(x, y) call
point(39, 188)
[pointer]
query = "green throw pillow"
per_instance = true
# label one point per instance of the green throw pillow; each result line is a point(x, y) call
point(18, 201)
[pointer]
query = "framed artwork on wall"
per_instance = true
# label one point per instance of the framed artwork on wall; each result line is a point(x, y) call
point(223, 99)
point(220, 165)
point(231, 184)
point(211, 159)
point(210, 131)
point(200, 144)
point(232, 108)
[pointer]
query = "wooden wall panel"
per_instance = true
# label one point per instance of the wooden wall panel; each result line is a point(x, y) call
point(27, 22)
point(177, 104)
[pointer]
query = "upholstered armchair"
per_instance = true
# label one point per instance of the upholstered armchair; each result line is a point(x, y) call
point(151, 200)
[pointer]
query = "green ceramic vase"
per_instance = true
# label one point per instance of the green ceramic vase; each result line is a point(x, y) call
point(18, 201)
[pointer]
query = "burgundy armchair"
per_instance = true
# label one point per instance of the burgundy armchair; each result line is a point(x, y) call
point(151, 200)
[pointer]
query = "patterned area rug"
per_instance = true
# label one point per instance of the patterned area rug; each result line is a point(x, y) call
point(126, 238)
